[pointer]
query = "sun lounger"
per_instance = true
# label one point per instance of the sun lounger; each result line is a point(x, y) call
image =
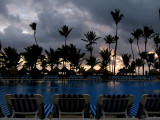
point(26, 105)
point(23, 119)
point(113, 105)
point(68, 104)
point(95, 119)
point(149, 106)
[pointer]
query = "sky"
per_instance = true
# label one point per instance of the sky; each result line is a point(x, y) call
point(82, 16)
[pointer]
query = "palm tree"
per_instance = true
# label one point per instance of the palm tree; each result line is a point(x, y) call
point(63, 53)
point(157, 50)
point(143, 56)
point(147, 33)
point(75, 57)
point(34, 27)
point(65, 32)
point(52, 57)
point(126, 60)
point(109, 39)
point(131, 42)
point(91, 39)
point(106, 57)
point(43, 62)
point(11, 57)
point(150, 60)
point(156, 40)
point(117, 16)
point(31, 56)
point(92, 61)
point(139, 64)
point(137, 35)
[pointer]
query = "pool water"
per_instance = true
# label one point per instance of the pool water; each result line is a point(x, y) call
point(93, 88)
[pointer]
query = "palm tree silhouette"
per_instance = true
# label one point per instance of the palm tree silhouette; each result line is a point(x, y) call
point(65, 32)
point(91, 39)
point(31, 56)
point(52, 57)
point(106, 57)
point(143, 56)
point(147, 33)
point(131, 42)
point(92, 61)
point(75, 57)
point(137, 35)
point(139, 63)
point(63, 53)
point(157, 51)
point(150, 60)
point(34, 27)
point(156, 40)
point(11, 57)
point(117, 16)
point(126, 60)
point(109, 39)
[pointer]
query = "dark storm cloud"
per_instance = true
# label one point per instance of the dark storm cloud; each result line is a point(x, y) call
point(5, 13)
point(14, 37)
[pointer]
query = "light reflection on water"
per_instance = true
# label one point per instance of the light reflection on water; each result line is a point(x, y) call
point(93, 88)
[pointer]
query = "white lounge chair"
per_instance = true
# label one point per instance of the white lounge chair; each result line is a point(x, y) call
point(26, 105)
point(113, 105)
point(149, 107)
point(75, 104)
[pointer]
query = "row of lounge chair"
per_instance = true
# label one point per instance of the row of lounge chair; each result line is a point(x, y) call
point(52, 77)
point(77, 106)
point(132, 78)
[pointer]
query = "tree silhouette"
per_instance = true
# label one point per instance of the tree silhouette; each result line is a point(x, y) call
point(156, 40)
point(150, 60)
point(117, 16)
point(126, 60)
point(137, 35)
point(52, 57)
point(106, 57)
point(91, 39)
point(34, 27)
point(11, 57)
point(92, 61)
point(63, 53)
point(75, 57)
point(157, 51)
point(131, 42)
point(139, 63)
point(109, 39)
point(32, 55)
point(147, 33)
point(65, 32)
point(143, 56)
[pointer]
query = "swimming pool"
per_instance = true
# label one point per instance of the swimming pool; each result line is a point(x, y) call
point(93, 88)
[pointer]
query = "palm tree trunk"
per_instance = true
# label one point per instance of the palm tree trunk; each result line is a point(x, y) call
point(143, 68)
point(132, 52)
point(115, 51)
point(64, 64)
point(138, 47)
point(35, 37)
point(91, 53)
point(145, 45)
point(109, 61)
point(159, 64)
point(65, 41)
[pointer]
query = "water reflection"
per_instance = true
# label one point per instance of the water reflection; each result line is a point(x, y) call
point(94, 88)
